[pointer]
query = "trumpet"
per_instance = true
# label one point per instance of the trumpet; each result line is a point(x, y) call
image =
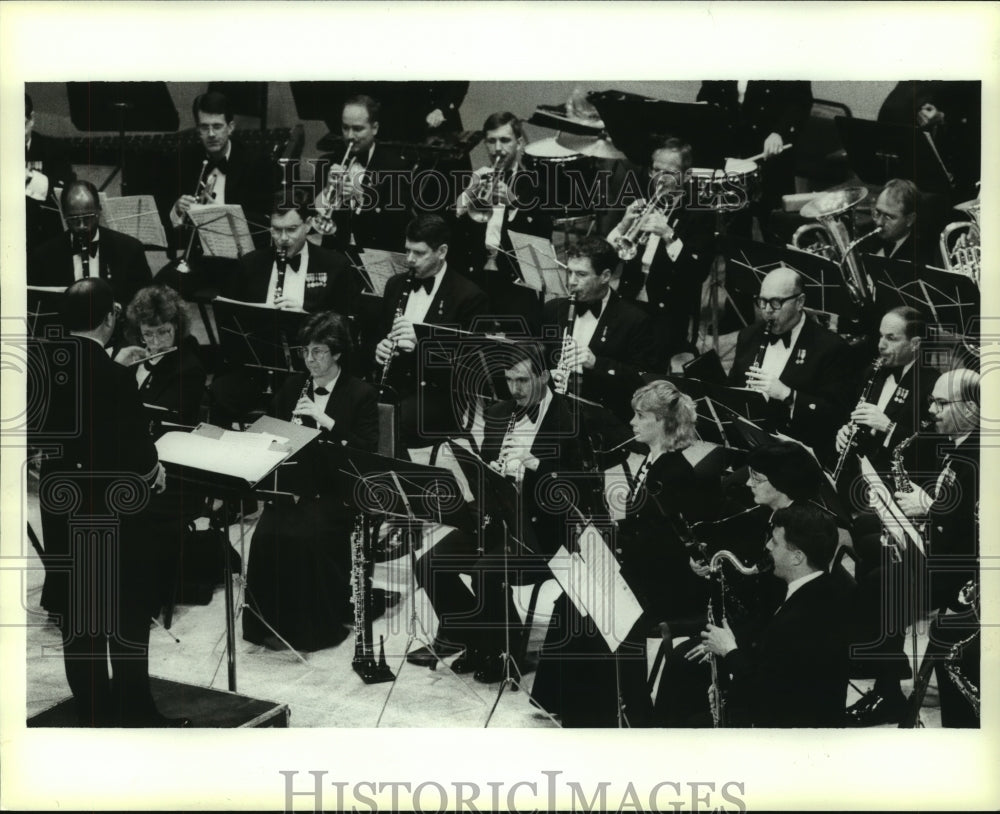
point(852, 427)
point(400, 310)
point(282, 262)
point(323, 222)
point(628, 243)
point(484, 198)
point(562, 385)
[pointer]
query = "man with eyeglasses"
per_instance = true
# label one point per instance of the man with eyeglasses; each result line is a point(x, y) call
point(87, 249)
point(895, 213)
point(805, 372)
point(948, 506)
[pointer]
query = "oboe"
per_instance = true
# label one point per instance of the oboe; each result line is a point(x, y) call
point(364, 664)
point(562, 385)
point(852, 427)
point(400, 310)
point(282, 263)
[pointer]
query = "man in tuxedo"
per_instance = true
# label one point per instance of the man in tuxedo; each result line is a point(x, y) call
point(666, 275)
point(433, 294)
point(949, 511)
point(612, 340)
point(89, 250)
point(98, 583)
point(516, 204)
point(368, 197)
point(762, 117)
point(793, 673)
point(804, 371)
point(528, 437)
point(895, 213)
point(45, 168)
point(220, 170)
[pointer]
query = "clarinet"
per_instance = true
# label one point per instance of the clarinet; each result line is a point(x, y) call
point(400, 310)
point(282, 262)
point(364, 663)
point(505, 451)
point(567, 342)
point(765, 340)
point(852, 427)
point(81, 249)
point(307, 392)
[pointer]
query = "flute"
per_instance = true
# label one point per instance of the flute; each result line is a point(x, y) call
point(152, 356)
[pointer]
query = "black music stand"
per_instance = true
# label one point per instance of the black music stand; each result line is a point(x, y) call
point(119, 106)
point(878, 152)
point(44, 310)
point(259, 336)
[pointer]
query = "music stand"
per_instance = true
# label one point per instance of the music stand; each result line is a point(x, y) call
point(44, 309)
point(878, 152)
point(101, 106)
point(258, 336)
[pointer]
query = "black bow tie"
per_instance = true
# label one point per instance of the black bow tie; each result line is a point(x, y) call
point(321, 391)
point(294, 262)
point(91, 247)
point(531, 412)
point(148, 365)
point(427, 283)
point(595, 307)
point(220, 164)
point(785, 339)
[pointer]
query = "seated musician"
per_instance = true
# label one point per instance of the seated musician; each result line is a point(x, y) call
point(87, 249)
point(298, 576)
point(948, 512)
point(45, 168)
point(434, 294)
point(220, 170)
point(310, 279)
point(793, 672)
point(899, 236)
point(527, 437)
point(501, 198)
point(680, 476)
point(667, 272)
point(364, 192)
point(611, 338)
point(802, 368)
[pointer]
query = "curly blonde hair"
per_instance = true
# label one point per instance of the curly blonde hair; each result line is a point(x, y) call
point(673, 408)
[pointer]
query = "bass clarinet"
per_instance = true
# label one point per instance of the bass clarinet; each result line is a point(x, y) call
point(562, 385)
point(852, 427)
point(364, 663)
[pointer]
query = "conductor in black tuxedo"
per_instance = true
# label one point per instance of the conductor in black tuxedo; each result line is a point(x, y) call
point(366, 194)
point(99, 584)
point(805, 372)
point(87, 249)
point(612, 339)
point(45, 168)
point(433, 294)
point(793, 673)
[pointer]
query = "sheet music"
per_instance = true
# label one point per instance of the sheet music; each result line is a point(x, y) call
point(216, 455)
point(568, 570)
point(381, 266)
point(539, 266)
point(223, 229)
point(135, 216)
point(895, 522)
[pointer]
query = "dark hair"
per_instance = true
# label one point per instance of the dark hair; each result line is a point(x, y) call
point(29, 108)
point(330, 329)
point(903, 192)
point(373, 106)
point(601, 254)
point(430, 229)
point(87, 304)
point(157, 305)
point(789, 467)
point(809, 529)
point(212, 102)
point(497, 120)
point(73, 187)
point(673, 145)
point(526, 351)
point(915, 325)
point(293, 199)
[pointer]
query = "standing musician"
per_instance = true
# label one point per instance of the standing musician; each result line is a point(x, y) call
point(895, 213)
point(500, 198)
point(434, 294)
point(87, 249)
point(611, 339)
point(793, 673)
point(949, 510)
point(666, 274)
point(45, 168)
point(528, 438)
point(298, 574)
point(805, 372)
point(220, 170)
point(365, 194)
point(763, 117)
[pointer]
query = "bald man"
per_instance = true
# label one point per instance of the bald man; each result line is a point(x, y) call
point(805, 374)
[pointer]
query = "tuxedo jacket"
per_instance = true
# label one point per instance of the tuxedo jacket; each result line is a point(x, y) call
point(912, 250)
point(122, 263)
point(820, 375)
point(386, 207)
point(177, 383)
point(794, 672)
point(42, 217)
point(331, 283)
point(768, 107)
point(622, 346)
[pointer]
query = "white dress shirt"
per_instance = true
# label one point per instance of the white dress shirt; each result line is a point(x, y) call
point(215, 181)
point(777, 355)
point(92, 265)
point(420, 300)
point(586, 324)
point(795, 584)
point(521, 439)
point(294, 287)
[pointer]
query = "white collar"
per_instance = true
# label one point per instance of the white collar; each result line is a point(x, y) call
point(795, 584)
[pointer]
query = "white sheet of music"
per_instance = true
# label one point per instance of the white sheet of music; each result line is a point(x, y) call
point(381, 266)
point(612, 603)
point(240, 460)
point(880, 496)
point(136, 216)
point(223, 229)
point(539, 266)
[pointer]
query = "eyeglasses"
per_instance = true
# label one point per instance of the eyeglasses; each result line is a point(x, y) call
point(774, 303)
point(940, 403)
point(878, 214)
point(162, 332)
point(315, 353)
point(84, 218)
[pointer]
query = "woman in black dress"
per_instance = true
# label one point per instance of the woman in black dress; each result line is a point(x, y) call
point(298, 577)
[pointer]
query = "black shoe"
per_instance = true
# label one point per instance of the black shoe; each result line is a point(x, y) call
point(469, 662)
point(491, 670)
point(874, 709)
point(427, 657)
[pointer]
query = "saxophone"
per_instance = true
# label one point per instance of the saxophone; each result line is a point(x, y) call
point(364, 663)
point(567, 345)
point(901, 479)
point(852, 427)
point(967, 596)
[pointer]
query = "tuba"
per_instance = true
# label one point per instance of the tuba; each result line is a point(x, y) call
point(831, 237)
point(959, 243)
